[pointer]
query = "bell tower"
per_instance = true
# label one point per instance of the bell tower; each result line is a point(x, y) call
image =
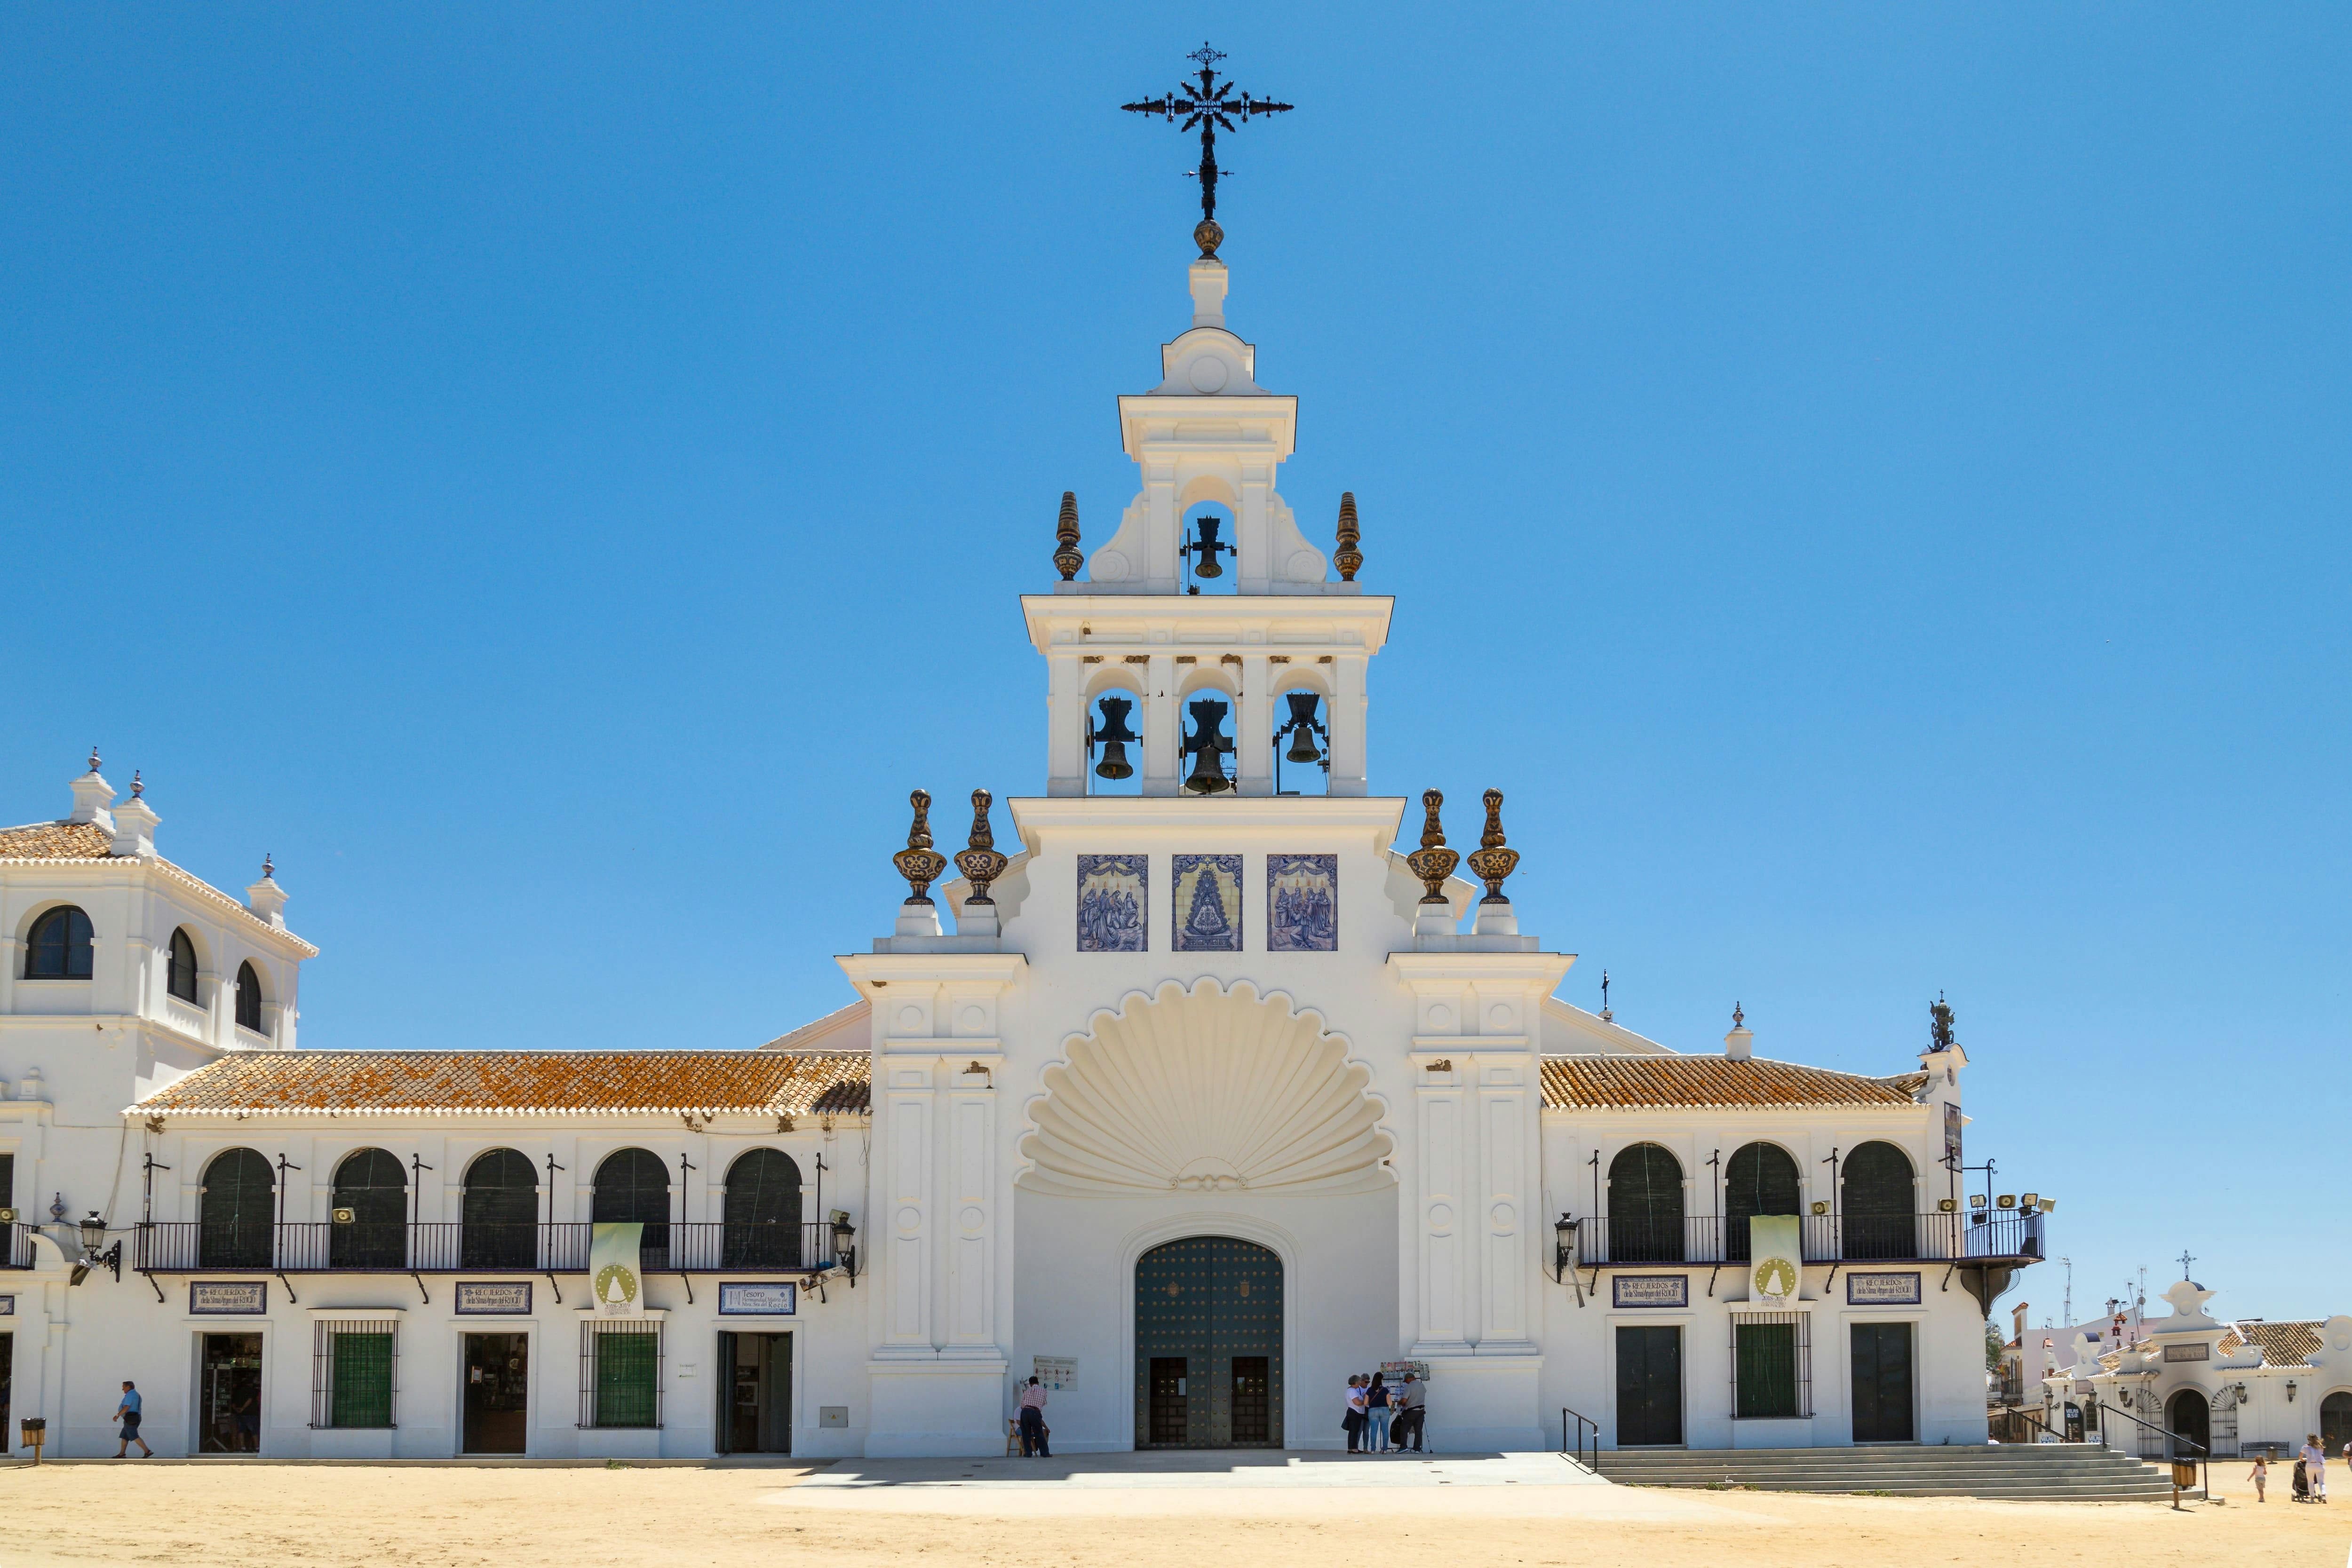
point(1207, 435)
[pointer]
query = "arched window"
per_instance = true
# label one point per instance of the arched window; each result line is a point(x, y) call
point(234, 1210)
point(1761, 1179)
point(179, 968)
point(1875, 1202)
point(1646, 1206)
point(1207, 742)
point(633, 1186)
point(1115, 743)
point(1302, 742)
point(500, 1212)
point(373, 1187)
point(249, 999)
point(763, 1212)
point(59, 946)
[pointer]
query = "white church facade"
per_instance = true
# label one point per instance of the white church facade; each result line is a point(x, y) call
point(1196, 1098)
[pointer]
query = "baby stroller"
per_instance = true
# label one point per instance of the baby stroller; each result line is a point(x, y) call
point(2302, 1482)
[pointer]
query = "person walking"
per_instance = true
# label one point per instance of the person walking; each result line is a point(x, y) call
point(2260, 1475)
point(2315, 1459)
point(127, 1413)
point(1377, 1412)
point(1033, 1422)
point(1411, 1400)
point(1353, 1424)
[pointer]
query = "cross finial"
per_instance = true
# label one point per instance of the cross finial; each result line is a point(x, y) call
point(2186, 1259)
point(1207, 106)
point(1606, 1016)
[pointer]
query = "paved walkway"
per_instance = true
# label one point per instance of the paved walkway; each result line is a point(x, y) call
point(1180, 1469)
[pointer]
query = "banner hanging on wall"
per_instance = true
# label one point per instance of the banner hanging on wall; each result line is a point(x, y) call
point(612, 1267)
point(1777, 1264)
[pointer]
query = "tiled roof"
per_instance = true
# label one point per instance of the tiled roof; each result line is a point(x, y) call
point(57, 841)
point(1611, 1082)
point(524, 1083)
point(2282, 1343)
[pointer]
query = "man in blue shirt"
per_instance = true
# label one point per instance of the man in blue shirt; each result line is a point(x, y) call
point(128, 1414)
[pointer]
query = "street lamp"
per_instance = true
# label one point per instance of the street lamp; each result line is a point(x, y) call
point(844, 1244)
point(93, 1236)
point(1563, 1233)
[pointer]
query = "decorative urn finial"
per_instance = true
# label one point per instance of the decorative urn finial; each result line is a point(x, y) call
point(137, 787)
point(1491, 863)
point(93, 759)
point(1738, 1018)
point(980, 864)
point(1349, 559)
point(920, 863)
point(268, 867)
point(1067, 558)
point(1208, 236)
point(1433, 863)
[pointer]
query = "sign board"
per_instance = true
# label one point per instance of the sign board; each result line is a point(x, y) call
point(1952, 1133)
point(739, 1300)
point(833, 1418)
point(2200, 1352)
point(1650, 1290)
point(1869, 1289)
point(1394, 1371)
point(1054, 1372)
point(484, 1296)
point(227, 1298)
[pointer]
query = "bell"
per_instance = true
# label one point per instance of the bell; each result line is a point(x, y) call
point(1302, 728)
point(1206, 549)
point(1113, 734)
point(1206, 746)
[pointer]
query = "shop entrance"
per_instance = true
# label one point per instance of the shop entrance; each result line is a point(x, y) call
point(228, 1395)
point(497, 1393)
point(1208, 1345)
point(756, 1412)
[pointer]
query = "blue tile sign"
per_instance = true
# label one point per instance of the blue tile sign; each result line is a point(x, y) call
point(227, 1296)
point(1650, 1290)
point(1208, 909)
point(486, 1297)
point(1302, 904)
point(1111, 903)
point(758, 1301)
point(1881, 1290)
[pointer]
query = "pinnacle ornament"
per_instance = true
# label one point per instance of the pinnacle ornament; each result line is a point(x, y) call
point(979, 863)
point(1491, 862)
point(1349, 558)
point(1067, 558)
point(920, 863)
point(1433, 863)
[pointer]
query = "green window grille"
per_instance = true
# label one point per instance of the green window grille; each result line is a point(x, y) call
point(620, 1376)
point(1771, 1370)
point(355, 1374)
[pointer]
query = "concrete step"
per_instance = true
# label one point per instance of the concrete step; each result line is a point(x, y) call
point(2064, 1473)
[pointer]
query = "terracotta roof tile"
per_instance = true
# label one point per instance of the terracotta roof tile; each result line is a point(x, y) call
point(543, 1082)
point(2285, 1344)
point(57, 841)
point(1609, 1082)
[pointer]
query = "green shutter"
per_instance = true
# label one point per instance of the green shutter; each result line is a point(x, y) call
point(626, 1366)
point(362, 1381)
point(1766, 1369)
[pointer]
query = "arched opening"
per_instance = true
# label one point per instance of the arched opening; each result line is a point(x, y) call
point(500, 1212)
point(2191, 1420)
point(249, 999)
point(235, 1211)
point(1209, 547)
point(1761, 1179)
point(179, 967)
point(1208, 1345)
point(1206, 745)
point(1646, 1206)
point(763, 1211)
point(1115, 742)
point(1875, 1202)
point(632, 1188)
point(2336, 1422)
point(371, 1222)
point(1301, 741)
point(58, 948)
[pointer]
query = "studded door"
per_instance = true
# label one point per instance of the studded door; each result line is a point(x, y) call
point(1211, 1306)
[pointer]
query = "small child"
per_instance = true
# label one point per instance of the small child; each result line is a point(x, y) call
point(2262, 1474)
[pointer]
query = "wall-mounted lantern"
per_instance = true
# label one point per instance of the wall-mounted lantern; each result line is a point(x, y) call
point(1563, 1234)
point(844, 1244)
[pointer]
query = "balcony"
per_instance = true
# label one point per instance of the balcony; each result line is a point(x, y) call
point(20, 1248)
point(2000, 1238)
point(192, 1247)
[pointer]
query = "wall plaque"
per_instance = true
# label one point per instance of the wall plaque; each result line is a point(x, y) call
point(2189, 1353)
point(1111, 903)
point(1054, 1372)
point(1881, 1290)
point(7, 1306)
point(1650, 1290)
point(1207, 911)
point(739, 1300)
point(1302, 904)
point(487, 1296)
point(227, 1296)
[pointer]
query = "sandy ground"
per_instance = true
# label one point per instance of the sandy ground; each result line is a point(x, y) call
point(501, 1517)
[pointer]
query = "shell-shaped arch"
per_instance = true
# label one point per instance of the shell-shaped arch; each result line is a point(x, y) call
point(1206, 1090)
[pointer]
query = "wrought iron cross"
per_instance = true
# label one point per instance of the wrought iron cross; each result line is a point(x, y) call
point(1207, 105)
point(2184, 1261)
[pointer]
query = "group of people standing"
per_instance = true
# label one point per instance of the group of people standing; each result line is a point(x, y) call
point(1383, 1417)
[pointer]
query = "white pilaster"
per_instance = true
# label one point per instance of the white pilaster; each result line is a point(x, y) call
point(1254, 728)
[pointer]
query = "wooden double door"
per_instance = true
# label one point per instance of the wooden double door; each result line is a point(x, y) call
point(1208, 1345)
point(1883, 1390)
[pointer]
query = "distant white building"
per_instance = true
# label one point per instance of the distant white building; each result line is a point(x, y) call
point(1203, 1098)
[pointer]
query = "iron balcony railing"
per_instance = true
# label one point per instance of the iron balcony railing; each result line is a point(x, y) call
point(20, 1248)
point(1931, 1238)
point(448, 1247)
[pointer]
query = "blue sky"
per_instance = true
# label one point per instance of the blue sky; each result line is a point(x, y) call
point(1868, 482)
